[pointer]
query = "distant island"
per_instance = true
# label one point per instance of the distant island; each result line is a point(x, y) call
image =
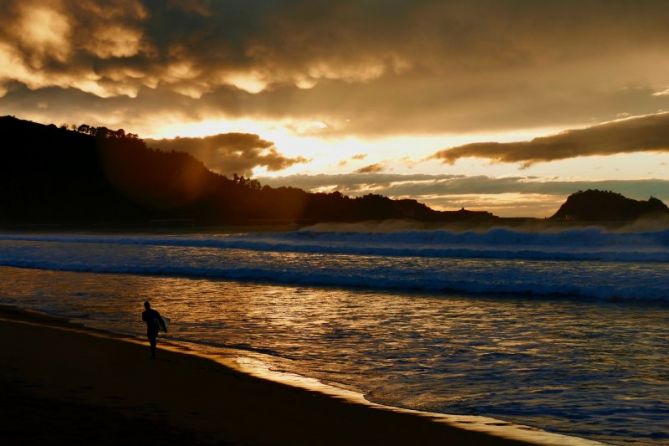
point(595, 205)
point(96, 177)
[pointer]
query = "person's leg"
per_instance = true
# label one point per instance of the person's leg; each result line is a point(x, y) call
point(153, 341)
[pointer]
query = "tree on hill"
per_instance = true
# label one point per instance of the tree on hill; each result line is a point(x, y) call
point(103, 176)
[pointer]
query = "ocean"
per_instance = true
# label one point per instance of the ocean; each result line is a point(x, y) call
point(565, 330)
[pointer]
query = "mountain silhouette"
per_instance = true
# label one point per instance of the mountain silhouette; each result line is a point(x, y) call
point(604, 206)
point(94, 176)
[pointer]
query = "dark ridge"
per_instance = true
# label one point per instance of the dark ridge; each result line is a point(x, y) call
point(599, 206)
point(88, 176)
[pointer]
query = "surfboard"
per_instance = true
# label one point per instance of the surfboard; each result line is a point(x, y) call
point(164, 323)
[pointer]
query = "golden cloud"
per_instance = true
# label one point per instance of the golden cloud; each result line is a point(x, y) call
point(369, 68)
point(230, 153)
point(638, 134)
point(372, 168)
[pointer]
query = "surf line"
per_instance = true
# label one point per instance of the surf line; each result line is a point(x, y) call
point(258, 369)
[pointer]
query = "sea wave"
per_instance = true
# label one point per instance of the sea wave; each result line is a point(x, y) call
point(522, 285)
point(592, 244)
point(577, 278)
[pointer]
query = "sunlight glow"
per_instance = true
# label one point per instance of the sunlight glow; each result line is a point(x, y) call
point(501, 204)
point(249, 82)
point(330, 154)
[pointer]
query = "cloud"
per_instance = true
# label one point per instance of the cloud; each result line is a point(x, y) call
point(510, 196)
point(422, 184)
point(367, 68)
point(372, 168)
point(441, 187)
point(83, 45)
point(639, 134)
point(356, 157)
point(230, 153)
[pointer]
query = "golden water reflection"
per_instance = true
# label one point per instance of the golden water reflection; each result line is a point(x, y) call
point(563, 364)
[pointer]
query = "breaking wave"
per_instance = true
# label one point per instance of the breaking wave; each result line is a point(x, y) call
point(592, 244)
point(580, 263)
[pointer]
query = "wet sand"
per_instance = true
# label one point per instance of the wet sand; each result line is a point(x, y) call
point(63, 384)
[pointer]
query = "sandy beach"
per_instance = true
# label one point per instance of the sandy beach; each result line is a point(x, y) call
point(64, 384)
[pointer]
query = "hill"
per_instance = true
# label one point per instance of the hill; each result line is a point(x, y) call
point(100, 177)
point(605, 206)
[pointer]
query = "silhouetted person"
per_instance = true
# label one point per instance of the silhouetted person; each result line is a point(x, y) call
point(153, 325)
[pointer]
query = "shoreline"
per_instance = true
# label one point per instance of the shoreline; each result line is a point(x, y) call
point(205, 397)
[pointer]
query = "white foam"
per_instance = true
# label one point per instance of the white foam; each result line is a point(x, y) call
point(574, 244)
point(584, 263)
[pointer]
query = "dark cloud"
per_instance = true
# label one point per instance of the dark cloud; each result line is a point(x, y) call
point(201, 7)
point(372, 168)
point(373, 67)
point(641, 134)
point(230, 153)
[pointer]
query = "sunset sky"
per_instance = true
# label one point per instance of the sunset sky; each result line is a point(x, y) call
point(504, 105)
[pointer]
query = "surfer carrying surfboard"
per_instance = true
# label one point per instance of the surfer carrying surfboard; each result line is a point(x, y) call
point(154, 324)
